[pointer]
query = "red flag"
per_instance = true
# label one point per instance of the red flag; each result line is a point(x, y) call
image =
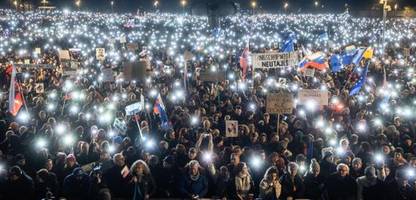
point(18, 103)
point(244, 62)
point(15, 98)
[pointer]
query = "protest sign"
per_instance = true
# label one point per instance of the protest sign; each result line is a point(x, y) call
point(210, 76)
point(133, 108)
point(318, 96)
point(274, 60)
point(310, 72)
point(279, 103)
point(107, 75)
point(123, 39)
point(64, 55)
point(39, 88)
point(38, 51)
point(135, 70)
point(100, 54)
point(231, 128)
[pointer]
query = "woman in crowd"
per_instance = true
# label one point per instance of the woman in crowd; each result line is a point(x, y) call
point(144, 184)
point(270, 188)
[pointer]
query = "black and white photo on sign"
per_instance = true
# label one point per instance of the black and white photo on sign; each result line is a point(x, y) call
point(39, 88)
point(231, 128)
point(100, 53)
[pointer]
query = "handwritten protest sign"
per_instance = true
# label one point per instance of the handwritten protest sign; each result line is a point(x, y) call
point(318, 96)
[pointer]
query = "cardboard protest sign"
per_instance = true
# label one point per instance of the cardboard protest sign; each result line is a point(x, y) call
point(70, 68)
point(279, 103)
point(39, 88)
point(133, 108)
point(107, 75)
point(64, 55)
point(318, 96)
point(231, 128)
point(135, 71)
point(210, 76)
point(100, 54)
point(275, 60)
point(27, 61)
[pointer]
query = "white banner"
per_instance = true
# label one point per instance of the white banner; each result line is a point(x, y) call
point(275, 60)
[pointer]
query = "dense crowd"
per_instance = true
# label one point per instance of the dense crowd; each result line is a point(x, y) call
point(72, 138)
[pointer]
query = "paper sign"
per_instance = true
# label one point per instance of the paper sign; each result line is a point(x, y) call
point(136, 70)
point(279, 103)
point(310, 72)
point(231, 128)
point(38, 51)
point(275, 60)
point(123, 39)
point(107, 75)
point(39, 88)
point(318, 96)
point(125, 171)
point(133, 108)
point(64, 55)
point(100, 54)
point(210, 76)
point(27, 61)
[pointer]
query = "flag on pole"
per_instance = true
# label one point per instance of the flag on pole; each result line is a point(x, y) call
point(315, 60)
point(336, 63)
point(244, 61)
point(15, 98)
point(361, 81)
point(289, 44)
point(160, 109)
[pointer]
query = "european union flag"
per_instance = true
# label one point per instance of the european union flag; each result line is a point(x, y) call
point(361, 81)
point(336, 63)
point(289, 44)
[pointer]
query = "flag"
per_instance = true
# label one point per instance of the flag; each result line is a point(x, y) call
point(315, 60)
point(160, 109)
point(336, 63)
point(244, 61)
point(15, 98)
point(289, 44)
point(361, 81)
point(358, 56)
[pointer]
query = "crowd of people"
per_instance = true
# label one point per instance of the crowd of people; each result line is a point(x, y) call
point(72, 137)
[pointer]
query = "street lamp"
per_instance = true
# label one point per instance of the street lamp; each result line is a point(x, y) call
point(286, 5)
point(316, 3)
point(386, 8)
point(253, 6)
point(183, 4)
point(78, 3)
point(112, 5)
point(15, 4)
point(156, 3)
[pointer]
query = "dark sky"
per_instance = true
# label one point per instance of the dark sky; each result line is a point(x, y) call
point(173, 5)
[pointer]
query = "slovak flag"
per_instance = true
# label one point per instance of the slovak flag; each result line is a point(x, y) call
point(15, 98)
point(244, 61)
point(315, 60)
point(160, 109)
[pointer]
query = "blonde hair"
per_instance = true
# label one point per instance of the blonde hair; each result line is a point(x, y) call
point(146, 169)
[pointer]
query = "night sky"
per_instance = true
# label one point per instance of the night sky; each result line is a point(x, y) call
point(173, 5)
